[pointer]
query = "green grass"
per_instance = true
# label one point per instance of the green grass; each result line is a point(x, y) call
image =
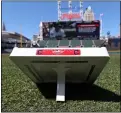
point(20, 94)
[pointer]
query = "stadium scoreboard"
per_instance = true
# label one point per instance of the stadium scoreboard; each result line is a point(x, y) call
point(71, 30)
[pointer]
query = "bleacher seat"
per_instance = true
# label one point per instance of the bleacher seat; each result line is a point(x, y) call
point(52, 43)
point(87, 43)
point(98, 43)
point(75, 43)
point(64, 43)
point(42, 43)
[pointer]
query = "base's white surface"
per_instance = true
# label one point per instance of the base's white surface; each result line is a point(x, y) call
point(85, 52)
point(78, 71)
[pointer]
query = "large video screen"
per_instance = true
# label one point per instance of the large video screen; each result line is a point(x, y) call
point(71, 30)
point(88, 30)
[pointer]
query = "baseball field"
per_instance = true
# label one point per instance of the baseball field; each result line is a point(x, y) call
point(20, 94)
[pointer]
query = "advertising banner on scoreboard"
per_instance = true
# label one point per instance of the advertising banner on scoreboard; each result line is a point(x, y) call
point(88, 30)
point(71, 30)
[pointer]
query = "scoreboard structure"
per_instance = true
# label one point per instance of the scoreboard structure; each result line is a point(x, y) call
point(71, 30)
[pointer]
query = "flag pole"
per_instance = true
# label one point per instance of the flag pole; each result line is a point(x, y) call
point(101, 24)
point(21, 38)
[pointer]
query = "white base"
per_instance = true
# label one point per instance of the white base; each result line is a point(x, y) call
point(24, 56)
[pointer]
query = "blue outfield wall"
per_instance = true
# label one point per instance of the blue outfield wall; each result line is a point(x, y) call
point(114, 44)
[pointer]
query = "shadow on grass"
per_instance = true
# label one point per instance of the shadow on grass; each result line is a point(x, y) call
point(79, 92)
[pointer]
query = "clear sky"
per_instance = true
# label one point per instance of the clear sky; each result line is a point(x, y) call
point(24, 17)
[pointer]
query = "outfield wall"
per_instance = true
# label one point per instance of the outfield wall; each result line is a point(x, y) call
point(114, 44)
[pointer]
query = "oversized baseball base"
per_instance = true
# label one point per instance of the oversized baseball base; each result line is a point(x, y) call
point(83, 66)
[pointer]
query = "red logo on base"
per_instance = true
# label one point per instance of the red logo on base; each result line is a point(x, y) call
point(59, 52)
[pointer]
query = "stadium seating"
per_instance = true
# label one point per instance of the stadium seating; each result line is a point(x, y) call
point(64, 43)
point(42, 43)
point(75, 43)
point(99, 43)
point(52, 43)
point(71, 43)
point(87, 43)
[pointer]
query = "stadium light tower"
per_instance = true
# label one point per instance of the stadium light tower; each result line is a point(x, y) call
point(3, 27)
point(70, 7)
point(81, 9)
point(119, 32)
point(59, 10)
point(80, 5)
point(70, 12)
point(21, 38)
